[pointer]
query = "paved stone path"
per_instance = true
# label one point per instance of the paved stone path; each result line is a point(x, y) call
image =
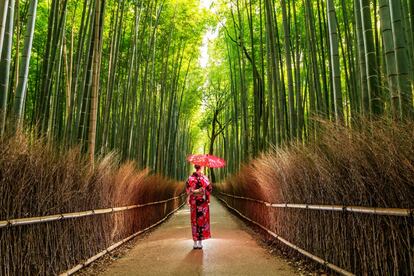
point(231, 250)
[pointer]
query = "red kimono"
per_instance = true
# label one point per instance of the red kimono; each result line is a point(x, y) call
point(200, 213)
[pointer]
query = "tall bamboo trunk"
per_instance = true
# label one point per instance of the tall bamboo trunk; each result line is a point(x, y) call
point(5, 62)
point(402, 59)
point(390, 62)
point(335, 70)
point(25, 62)
point(372, 101)
point(4, 4)
point(363, 90)
point(99, 7)
point(288, 57)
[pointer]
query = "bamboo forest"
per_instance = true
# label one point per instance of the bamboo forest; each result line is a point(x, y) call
point(297, 115)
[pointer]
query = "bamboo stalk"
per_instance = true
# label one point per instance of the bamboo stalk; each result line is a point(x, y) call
point(115, 245)
point(291, 245)
point(33, 220)
point(402, 212)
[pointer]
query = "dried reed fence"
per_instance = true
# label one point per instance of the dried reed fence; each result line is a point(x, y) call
point(285, 242)
point(78, 267)
point(49, 218)
point(37, 182)
point(403, 212)
point(347, 198)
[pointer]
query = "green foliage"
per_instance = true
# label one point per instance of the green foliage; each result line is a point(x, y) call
point(258, 47)
point(155, 102)
point(150, 78)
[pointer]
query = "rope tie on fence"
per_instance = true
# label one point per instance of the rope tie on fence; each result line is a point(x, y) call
point(57, 217)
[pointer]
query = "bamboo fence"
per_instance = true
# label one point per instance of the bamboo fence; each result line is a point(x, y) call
point(33, 220)
point(11, 225)
point(390, 212)
point(291, 245)
point(116, 245)
point(402, 212)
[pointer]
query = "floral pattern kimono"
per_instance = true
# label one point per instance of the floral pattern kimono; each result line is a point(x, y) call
point(200, 213)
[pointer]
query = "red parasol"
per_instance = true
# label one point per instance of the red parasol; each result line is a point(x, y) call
point(206, 160)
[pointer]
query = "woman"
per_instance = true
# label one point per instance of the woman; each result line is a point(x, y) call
point(198, 190)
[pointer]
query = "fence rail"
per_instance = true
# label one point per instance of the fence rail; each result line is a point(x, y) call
point(286, 242)
point(401, 212)
point(116, 245)
point(41, 219)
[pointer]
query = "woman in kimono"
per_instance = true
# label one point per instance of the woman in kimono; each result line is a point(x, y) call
point(198, 190)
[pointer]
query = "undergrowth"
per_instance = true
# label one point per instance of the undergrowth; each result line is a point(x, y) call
point(38, 180)
point(372, 166)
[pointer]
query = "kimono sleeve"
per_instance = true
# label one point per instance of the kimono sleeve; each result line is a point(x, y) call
point(188, 185)
point(208, 188)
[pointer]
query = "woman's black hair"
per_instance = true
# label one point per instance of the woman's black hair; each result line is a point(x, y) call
point(197, 167)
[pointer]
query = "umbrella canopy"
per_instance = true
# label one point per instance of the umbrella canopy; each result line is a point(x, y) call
point(206, 160)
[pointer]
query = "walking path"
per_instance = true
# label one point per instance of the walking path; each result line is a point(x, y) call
point(231, 250)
